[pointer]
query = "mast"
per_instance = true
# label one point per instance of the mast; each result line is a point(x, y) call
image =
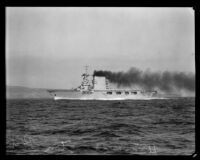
point(86, 69)
point(85, 85)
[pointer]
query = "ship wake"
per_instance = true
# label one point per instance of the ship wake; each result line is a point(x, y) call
point(110, 99)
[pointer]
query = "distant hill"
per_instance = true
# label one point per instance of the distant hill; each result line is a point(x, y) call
point(19, 92)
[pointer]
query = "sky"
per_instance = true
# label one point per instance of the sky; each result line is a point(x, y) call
point(48, 47)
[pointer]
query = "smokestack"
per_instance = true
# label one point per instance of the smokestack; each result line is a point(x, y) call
point(165, 81)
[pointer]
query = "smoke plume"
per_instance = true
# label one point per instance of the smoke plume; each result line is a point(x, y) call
point(165, 81)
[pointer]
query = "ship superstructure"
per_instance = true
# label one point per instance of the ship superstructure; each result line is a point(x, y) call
point(98, 89)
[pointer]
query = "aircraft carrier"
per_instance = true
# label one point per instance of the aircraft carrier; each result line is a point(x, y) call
point(98, 89)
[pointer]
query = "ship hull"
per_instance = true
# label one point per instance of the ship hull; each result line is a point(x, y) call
point(102, 95)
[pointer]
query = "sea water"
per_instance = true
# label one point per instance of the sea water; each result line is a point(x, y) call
point(75, 127)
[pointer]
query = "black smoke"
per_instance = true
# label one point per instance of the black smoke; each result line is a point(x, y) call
point(165, 81)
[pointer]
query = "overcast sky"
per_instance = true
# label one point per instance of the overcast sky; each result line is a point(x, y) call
point(49, 47)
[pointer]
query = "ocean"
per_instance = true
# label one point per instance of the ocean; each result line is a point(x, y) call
point(75, 127)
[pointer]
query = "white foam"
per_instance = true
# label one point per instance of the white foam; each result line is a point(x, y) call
point(107, 99)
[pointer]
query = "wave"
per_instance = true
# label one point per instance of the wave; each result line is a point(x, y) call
point(106, 134)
